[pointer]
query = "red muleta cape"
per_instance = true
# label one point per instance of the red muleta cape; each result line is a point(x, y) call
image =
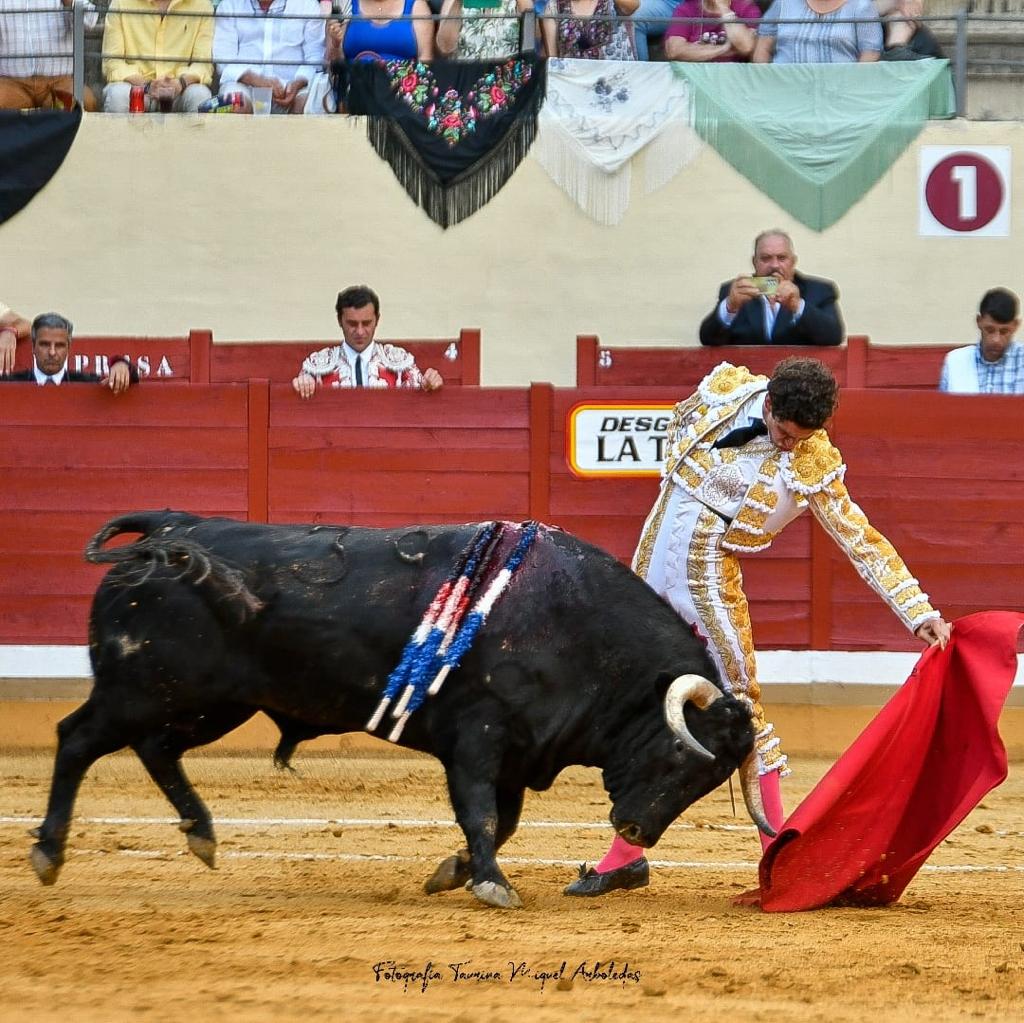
point(910, 778)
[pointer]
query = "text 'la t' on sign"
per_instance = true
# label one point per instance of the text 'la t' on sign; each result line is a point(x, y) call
point(617, 438)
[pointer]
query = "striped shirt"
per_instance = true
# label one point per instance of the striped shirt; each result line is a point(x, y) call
point(822, 38)
point(45, 28)
point(1005, 376)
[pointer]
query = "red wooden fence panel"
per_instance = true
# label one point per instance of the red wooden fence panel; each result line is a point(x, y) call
point(457, 359)
point(905, 366)
point(73, 457)
point(858, 363)
point(394, 457)
point(157, 358)
point(684, 368)
point(942, 476)
point(195, 358)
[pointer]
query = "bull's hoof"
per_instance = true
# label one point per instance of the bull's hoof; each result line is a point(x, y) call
point(47, 869)
point(36, 832)
point(451, 873)
point(204, 848)
point(497, 895)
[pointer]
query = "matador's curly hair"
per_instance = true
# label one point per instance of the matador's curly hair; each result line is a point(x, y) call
point(803, 391)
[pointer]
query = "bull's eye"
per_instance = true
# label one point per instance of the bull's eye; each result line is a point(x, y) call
point(680, 746)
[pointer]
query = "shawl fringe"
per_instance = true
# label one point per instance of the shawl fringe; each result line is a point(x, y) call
point(450, 203)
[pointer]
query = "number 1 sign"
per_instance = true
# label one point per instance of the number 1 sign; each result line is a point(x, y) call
point(965, 191)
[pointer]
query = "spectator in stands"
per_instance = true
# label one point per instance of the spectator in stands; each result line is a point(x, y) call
point(391, 35)
point(590, 29)
point(775, 306)
point(51, 345)
point(171, 58)
point(995, 364)
point(905, 37)
point(12, 329)
point(43, 27)
point(477, 33)
point(249, 36)
point(651, 19)
point(819, 37)
point(360, 361)
point(726, 32)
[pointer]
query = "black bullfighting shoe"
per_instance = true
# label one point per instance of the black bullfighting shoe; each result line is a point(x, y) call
point(633, 875)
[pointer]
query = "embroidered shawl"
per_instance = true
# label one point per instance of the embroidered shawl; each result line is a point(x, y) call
point(453, 133)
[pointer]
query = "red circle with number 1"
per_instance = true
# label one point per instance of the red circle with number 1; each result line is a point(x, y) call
point(964, 192)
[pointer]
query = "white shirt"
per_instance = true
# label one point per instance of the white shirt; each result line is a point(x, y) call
point(46, 28)
point(246, 39)
point(42, 378)
point(350, 355)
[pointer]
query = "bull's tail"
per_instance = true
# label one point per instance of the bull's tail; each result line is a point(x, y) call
point(144, 522)
point(162, 546)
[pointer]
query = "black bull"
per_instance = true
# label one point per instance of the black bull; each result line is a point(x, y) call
point(203, 622)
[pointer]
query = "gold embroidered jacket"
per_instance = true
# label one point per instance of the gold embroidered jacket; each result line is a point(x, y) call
point(787, 482)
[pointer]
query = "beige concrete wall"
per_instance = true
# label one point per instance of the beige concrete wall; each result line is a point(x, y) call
point(250, 227)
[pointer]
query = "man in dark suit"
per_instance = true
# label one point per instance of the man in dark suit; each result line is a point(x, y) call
point(51, 345)
point(775, 306)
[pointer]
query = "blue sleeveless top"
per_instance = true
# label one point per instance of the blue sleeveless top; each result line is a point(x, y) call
point(394, 41)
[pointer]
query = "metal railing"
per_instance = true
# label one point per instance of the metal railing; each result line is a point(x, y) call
point(954, 17)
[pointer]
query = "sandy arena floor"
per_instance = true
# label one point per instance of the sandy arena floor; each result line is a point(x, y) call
point(319, 881)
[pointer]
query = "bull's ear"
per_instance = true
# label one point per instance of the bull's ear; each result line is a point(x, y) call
point(661, 684)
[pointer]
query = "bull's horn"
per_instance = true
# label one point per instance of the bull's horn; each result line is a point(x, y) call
point(685, 689)
point(752, 794)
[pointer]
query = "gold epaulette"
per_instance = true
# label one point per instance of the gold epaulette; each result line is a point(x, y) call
point(726, 378)
point(812, 465)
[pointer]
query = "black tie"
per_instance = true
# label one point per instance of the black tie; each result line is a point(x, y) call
point(359, 371)
point(738, 437)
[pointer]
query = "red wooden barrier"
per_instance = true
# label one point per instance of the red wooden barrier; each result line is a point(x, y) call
point(645, 365)
point(157, 358)
point(942, 476)
point(196, 359)
point(456, 359)
point(858, 363)
point(396, 457)
point(74, 456)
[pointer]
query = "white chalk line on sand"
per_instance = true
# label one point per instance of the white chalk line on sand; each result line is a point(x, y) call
point(416, 822)
point(361, 822)
point(528, 861)
point(377, 822)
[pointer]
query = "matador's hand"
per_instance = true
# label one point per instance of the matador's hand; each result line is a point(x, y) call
point(934, 631)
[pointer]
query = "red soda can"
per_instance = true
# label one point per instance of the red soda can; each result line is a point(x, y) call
point(137, 100)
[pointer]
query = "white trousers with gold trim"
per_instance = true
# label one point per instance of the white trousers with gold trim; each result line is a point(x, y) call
point(680, 556)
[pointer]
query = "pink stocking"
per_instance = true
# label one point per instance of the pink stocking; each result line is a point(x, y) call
point(771, 797)
point(620, 853)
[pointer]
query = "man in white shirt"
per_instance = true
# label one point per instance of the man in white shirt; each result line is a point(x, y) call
point(360, 361)
point(995, 364)
point(30, 27)
point(51, 346)
point(250, 36)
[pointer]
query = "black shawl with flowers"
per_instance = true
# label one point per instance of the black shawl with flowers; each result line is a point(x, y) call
point(453, 133)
